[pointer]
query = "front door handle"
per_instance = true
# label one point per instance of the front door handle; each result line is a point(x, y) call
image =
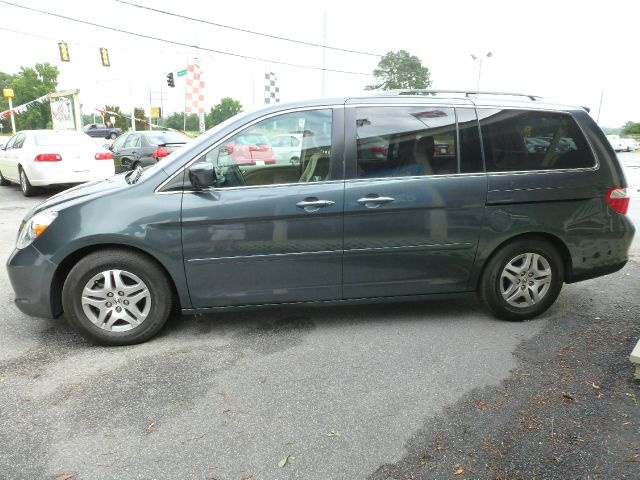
point(312, 204)
point(374, 202)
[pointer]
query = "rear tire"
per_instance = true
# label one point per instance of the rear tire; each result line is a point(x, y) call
point(28, 190)
point(3, 181)
point(113, 136)
point(117, 297)
point(522, 279)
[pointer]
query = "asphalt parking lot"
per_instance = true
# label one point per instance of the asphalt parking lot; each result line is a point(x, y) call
point(434, 389)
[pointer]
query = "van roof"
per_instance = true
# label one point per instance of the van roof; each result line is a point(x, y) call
point(452, 97)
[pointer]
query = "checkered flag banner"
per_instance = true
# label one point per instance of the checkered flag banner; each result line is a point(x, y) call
point(271, 90)
point(194, 101)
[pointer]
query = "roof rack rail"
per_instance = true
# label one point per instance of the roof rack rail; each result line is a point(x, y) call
point(467, 93)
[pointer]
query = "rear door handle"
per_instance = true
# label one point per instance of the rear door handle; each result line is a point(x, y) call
point(313, 204)
point(374, 202)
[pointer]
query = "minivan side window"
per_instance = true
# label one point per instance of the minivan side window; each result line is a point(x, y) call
point(470, 148)
point(249, 159)
point(406, 141)
point(523, 140)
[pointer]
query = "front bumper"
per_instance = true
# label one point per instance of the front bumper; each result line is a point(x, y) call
point(31, 275)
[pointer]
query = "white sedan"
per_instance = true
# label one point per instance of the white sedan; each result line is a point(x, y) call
point(287, 147)
point(34, 158)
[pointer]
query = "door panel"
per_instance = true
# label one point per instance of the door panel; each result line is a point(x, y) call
point(268, 233)
point(254, 245)
point(424, 241)
point(414, 230)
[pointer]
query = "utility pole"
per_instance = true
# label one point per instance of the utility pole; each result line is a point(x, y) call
point(133, 121)
point(600, 106)
point(487, 55)
point(13, 120)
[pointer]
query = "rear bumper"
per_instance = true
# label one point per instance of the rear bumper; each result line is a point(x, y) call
point(595, 256)
point(43, 175)
point(31, 275)
point(596, 272)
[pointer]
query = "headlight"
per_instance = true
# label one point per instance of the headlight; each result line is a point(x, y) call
point(32, 228)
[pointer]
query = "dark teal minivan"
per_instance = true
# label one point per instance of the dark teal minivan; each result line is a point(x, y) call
point(399, 196)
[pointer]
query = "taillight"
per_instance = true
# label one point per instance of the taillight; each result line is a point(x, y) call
point(104, 156)
point(379, 150)
point(618, 199)
point(47, 157)
point(160, 152)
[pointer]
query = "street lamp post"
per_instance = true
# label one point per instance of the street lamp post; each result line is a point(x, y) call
point(479, 59)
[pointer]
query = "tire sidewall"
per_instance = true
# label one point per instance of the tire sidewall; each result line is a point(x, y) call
point(27, 189)
point(490, 286)
point(146, 270)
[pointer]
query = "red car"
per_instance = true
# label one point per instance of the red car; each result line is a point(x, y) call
point(249, 149)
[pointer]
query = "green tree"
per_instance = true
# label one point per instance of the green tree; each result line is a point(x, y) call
point(29, 84)
point(631, 128)
point(139, 114)
point(227, 108)
point(400, 70)
point(176, 121)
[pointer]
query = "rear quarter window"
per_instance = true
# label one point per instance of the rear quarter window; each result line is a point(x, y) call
point(523, 140)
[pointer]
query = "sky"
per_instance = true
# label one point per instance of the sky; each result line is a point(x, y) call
point(569, 52)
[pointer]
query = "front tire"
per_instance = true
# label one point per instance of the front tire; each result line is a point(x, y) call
point(117, 297)
point(28, 190)
point(113, 135)
point(522, 279)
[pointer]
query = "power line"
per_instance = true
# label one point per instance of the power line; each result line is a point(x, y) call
point(149, 37)
point(252, 32)
point(75, 42)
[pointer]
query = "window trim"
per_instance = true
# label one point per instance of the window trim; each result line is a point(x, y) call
point(335, 108)
point(557, 170)
point(19, 137)
point(476, 108)
point(350, 131)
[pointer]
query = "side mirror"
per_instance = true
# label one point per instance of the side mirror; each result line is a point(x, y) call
point(202, 175)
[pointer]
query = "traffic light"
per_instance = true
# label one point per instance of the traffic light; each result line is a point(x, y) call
point(64, 51)
point(104, 56)
point(170, 80)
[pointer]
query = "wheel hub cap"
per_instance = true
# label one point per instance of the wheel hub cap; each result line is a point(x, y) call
point(525, 280)
point(116, 300)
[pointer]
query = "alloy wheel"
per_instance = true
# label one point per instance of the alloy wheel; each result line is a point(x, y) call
point(525, 280)
point(116, 300)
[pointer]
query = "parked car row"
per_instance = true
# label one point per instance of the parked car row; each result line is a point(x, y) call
point(35, 158)
point(623, 144)
point(38, 158)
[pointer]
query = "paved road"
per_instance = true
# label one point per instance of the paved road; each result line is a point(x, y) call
point(228, 396)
